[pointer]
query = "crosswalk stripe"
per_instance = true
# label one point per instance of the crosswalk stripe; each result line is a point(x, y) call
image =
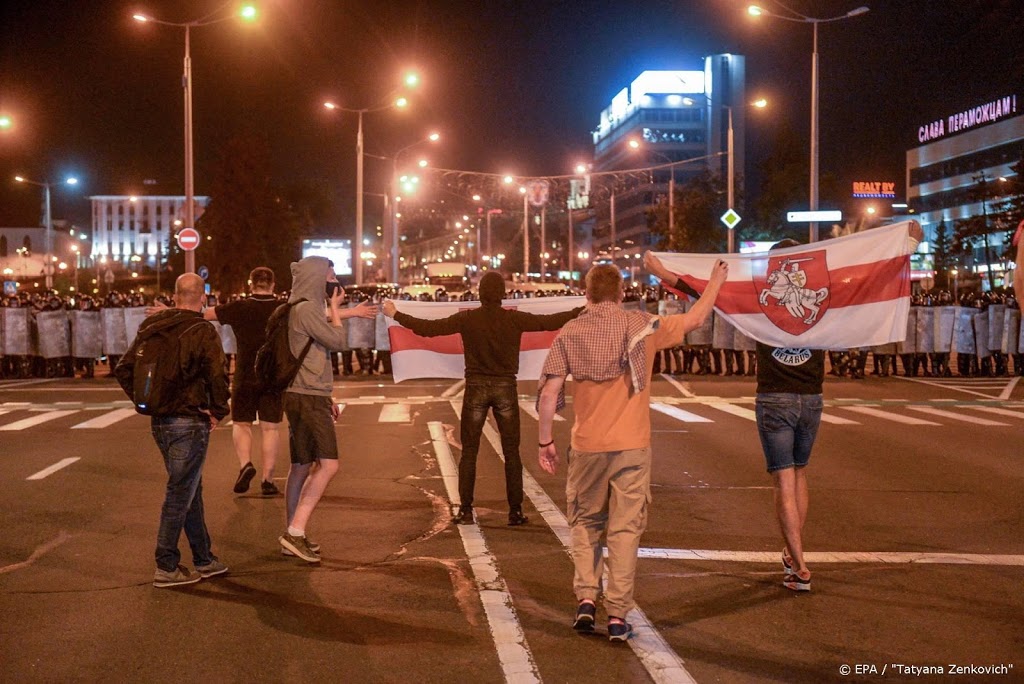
point(43, 417)
point(998, 411)
point(895, 417)
point(531, 410)
point(106, 420)
point(394, 413)
point(46, 472)
point(974, 420)
point(734, 410)
point(679, 414)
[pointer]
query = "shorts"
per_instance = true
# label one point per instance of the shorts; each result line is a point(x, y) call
point(248, 402)
point(310, 428)
point(787, 425)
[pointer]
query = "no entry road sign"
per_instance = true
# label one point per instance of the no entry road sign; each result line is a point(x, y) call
point(188, 239)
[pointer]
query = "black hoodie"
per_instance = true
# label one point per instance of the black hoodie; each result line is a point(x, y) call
point(201, 358)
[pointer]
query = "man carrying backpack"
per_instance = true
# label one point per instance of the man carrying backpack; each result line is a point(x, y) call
point(307, 401)
point(174, 372)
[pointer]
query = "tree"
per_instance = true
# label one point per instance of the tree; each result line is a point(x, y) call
point(698, 204)
point(968, 232)
point(944, 259)
point(783, 188)
point(248, 221)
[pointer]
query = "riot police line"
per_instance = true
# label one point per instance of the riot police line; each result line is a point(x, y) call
point(63, 337)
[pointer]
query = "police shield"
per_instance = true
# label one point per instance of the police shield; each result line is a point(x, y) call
point(722, 333)
point(16, 332)
point(741, 342)
point(925, 332)
point(54, 334)
point(909, 345)
point(362, 332)
point(996, 314)
point(963, 330)
point(1011, 331)
point(228, 342)
point(945, 321)
point(86, 334)
point(115, 339)
point(981, 336)
point(133, 318)
point(382, 338)
point(701, 335)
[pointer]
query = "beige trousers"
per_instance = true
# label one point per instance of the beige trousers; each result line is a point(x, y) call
point(607, 495)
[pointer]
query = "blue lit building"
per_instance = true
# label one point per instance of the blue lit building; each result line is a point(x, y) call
point(675, 116)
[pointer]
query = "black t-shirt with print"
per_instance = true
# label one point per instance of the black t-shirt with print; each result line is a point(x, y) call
point(248, 320)
point(789, 370)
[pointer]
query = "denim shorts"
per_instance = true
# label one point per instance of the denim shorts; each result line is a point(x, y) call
point(787, 425)
point(310, 428)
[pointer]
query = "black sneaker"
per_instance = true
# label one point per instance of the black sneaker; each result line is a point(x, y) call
point(268, 488)
point(620, 630)
point(298, 546)
point(464, 516)
point(245, 476)
point(516, 517)
point(585, 615)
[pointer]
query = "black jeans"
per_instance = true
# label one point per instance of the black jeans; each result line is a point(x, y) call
point(502, 396)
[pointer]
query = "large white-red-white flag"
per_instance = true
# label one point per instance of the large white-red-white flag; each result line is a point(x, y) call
point(413, 356)
point(852, 291)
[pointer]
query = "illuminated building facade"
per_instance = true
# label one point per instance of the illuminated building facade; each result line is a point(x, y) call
point(124, 226)
point(676, 116)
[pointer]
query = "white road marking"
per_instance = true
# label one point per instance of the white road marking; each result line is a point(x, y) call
point(37, 419)
point(998, 411)
point(895, 417)
point(951, 558)
point(394, 413)
point(836, 420)
point(454, 389)
point(679, 386)
point(1009, 388)
point(734, 410)
point(956, 416)
point(106, 420)
point(531, 410)
point(679, 414)
point(46, 472)
point(20, 383)
point(969, 386)
point(662, 663)
point(514, 654)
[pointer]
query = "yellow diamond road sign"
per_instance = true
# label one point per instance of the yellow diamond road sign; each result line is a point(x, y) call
point(730, 218)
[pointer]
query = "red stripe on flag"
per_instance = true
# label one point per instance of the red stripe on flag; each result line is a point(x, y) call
point(878, 281)
point(403, 339)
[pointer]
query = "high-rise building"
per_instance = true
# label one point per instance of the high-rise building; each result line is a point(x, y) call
point(675, 117)
point(963, 157)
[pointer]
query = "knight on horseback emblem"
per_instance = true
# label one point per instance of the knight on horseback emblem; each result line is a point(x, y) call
point(787, 284)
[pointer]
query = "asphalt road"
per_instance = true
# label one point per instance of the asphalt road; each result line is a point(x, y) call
point(916, 535)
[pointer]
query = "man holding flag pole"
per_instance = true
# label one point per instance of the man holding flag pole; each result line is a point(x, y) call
point(796, 301)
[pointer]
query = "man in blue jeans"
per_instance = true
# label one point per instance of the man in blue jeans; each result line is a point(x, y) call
point(491, 337)
point(181, 426)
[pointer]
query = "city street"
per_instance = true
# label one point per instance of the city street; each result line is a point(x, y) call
point(915, 536)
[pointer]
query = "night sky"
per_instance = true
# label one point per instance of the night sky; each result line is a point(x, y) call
point(512, 86)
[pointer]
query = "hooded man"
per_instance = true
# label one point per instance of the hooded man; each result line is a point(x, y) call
point(307, 401)
point(491, 339)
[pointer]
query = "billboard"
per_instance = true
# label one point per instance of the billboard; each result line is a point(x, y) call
point(338, 251)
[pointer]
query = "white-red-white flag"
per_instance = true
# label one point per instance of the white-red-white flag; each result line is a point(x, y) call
point(852, 291)
point(413, 356)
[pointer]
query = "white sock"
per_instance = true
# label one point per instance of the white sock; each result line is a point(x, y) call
point(296, 532)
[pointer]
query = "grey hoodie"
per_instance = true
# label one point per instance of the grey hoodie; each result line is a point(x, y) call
point(309, 319)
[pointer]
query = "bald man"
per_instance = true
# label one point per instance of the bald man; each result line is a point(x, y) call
point(181, 426)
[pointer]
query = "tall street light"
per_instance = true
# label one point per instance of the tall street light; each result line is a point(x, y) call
point(391, 102)
point(393, 200)
point(756, 11)
point(248, 13)
point(47, 223)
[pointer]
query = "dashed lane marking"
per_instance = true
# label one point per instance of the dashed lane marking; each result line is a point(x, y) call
point(514, 654)
point(394, 413)
point(106, 420)
point(895, 417)
point(915, 557)
point(679, 414)
point(998, 411)
point(46, 472)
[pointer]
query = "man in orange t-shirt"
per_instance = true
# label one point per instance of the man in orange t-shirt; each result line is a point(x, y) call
point(610, 354)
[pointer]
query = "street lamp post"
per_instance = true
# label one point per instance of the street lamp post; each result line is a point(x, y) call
point(247, 12)
point(814, 21)
point(433, 137)
point(47, 224)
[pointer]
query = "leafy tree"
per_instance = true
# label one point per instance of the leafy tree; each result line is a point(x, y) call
point(249, 221)
point(968, 232)
point(944, 259)
point(698, 204)
point(783, 188)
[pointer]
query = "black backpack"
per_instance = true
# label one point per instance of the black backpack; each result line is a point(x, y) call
point(157, 377)
point(276, 366)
